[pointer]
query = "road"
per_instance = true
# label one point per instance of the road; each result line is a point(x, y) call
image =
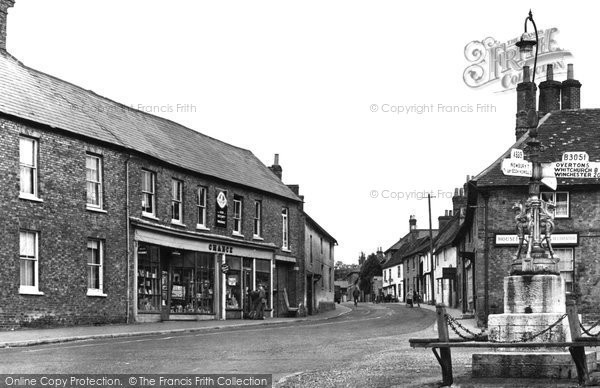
point(291, 352)
point(367, 347)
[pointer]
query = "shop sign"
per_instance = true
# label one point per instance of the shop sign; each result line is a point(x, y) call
point(556, 239)
point(178, 292)
point(221, 209)
point(220, 248)
point(224, 268)
point(232, 281)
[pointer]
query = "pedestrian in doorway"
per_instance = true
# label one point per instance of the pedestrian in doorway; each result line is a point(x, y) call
point(262, 301)
point(417, 299)
point(356, 295)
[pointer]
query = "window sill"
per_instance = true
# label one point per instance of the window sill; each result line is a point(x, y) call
point(288, 250)
point(235, 234)
point(177, 223)
point(96, 210)
point(96, 293)
point(150, 216)
point(202, 227)
point(29, 291)
point(29, 197)
point(255, 237)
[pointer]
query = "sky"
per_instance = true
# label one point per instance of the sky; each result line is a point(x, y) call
point(365, 102)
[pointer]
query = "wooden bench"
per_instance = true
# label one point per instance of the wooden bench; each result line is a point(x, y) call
point(444, 343)
point(292, 311)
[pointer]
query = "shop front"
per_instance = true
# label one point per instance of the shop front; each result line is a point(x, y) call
point(188, 277)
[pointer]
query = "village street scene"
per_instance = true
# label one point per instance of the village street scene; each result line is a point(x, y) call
point(276, 195)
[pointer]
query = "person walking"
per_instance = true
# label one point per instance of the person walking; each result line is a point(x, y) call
point(356, 295)
point(417, 299)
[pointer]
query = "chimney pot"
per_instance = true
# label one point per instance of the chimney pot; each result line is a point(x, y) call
point(526, 76)
point(276, 168)
point(549, 92)
point(570, 91)
point(570, 71)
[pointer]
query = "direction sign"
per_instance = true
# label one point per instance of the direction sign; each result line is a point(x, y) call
point(517, 167)
point(516, 153)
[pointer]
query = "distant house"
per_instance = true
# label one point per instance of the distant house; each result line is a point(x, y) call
point(319, 263)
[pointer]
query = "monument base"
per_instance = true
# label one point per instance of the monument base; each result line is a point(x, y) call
point(556, 365)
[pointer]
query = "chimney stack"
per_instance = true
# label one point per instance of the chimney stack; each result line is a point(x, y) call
point(570, 92)
point(459, 200)
point(549, 92)
point(276, 168)
point(412, 223)
point(526, 93)
point(4, 6)
point(443, 220)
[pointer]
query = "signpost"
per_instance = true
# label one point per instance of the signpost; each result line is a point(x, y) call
point(572, 165)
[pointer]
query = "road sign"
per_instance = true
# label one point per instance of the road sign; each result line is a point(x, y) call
point(517, 167)
point(516, 153)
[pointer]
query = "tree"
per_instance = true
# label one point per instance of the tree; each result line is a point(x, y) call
point(370, 268)
point(341, 270)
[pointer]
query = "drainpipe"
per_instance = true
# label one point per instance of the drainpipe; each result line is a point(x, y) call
point(128, 238)
point(486, 257)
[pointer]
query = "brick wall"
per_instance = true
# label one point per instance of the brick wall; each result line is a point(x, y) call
point(64, 225)
point(272, 231)
point(584, 219)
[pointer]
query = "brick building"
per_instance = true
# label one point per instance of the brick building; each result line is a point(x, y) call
point(114, 215)
point(319, 264)
point(488, 239)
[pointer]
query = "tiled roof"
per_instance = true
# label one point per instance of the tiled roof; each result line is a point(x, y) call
point(410, 248)
point(402, 241)
point(38, 97)
point(559, 131)
point(447, 234)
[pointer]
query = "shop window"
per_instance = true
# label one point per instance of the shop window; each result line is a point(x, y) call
point(237, 215)
point(257, 219)
point(263, 276)
point(192, 288)
point(93, 177)
point(149, 279)
point(148, 196)
point(233, 283)
point(176, 201)
point(95, 264)
point(29, 262)
point(565, 266)
point(561, 202)
point(201, 207)
point(28, 164)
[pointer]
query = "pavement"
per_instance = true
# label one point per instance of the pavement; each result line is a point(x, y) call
point(31, 337)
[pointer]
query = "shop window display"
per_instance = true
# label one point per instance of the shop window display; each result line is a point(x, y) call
point(149, 287)
point(233, 283)
point(263, 276)
point(192, 287)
